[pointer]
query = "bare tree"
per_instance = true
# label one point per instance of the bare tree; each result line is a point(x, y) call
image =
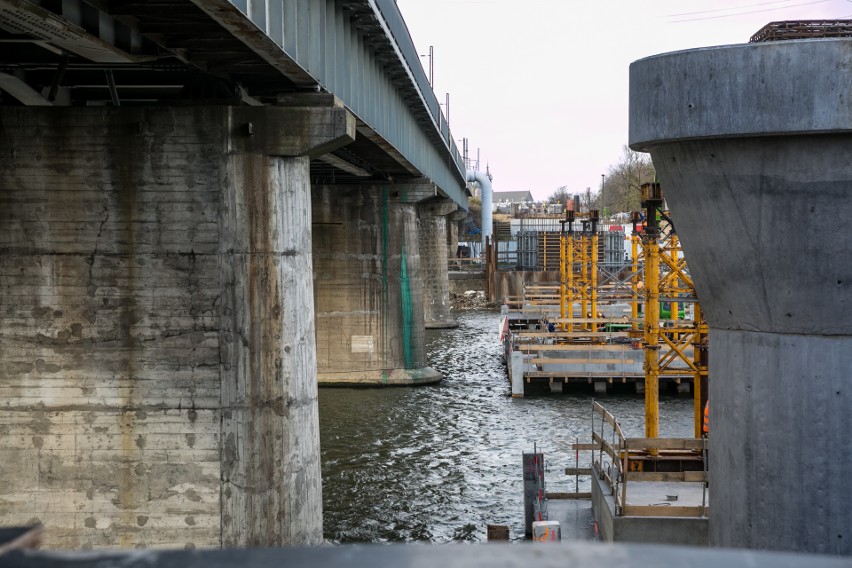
point(560, 195)
point(589, 201)
point(622, 186)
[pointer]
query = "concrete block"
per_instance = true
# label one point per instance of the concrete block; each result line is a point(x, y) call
point(517, 374)
point(546, 531)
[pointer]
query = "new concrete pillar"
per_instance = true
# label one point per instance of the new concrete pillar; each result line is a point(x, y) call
point(368, 286)
point(156, 329)
point(752, 145)
point(432, 225)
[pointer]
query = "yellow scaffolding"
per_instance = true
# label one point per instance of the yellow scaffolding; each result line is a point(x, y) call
point(659, 282)
point(578, 265)
point(675, 346)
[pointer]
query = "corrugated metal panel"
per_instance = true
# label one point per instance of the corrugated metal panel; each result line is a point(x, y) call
point(320, 36)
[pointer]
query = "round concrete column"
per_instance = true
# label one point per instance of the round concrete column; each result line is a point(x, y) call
point(752, 145)
point(432, 229)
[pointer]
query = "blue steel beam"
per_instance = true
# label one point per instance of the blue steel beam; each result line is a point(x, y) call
point(362, 52)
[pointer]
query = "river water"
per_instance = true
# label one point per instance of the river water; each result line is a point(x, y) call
point(439, 463)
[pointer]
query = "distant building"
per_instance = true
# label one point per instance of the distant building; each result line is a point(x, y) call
point(507, 201)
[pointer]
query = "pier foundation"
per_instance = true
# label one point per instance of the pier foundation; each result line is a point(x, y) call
point(368, 285)
point(751, 144)
point(150, 263)
point(432, 222)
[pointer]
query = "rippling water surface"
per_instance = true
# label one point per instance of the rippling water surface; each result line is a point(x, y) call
point(439, 463)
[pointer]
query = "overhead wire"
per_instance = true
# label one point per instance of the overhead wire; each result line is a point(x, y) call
point(734, 14)
point(731, 8)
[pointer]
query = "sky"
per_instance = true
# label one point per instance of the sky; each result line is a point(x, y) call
point(540, 87)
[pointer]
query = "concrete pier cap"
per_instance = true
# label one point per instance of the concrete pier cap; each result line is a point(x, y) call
point(752, 145)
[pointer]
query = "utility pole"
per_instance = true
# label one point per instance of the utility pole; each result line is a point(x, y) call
point(432, 66)
point(431, 57)
point(603, 204)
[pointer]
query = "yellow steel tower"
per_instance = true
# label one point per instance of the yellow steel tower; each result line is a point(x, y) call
point(579, 272)
point(674, 346)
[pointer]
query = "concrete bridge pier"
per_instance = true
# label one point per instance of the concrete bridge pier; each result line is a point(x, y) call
point(751, 143)
point(433, 222)
point(454, 220)
point(368, 285)
point(157, 344)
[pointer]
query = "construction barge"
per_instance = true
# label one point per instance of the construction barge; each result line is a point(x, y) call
point(639, 324)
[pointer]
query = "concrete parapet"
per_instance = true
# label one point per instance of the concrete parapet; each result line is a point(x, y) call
point(751, 143)
point(557, 555)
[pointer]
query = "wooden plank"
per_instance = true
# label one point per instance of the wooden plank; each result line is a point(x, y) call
point(611, 451)
point(590, 320)
point(614, 375)
point(663, 511)
point(581, 361)
point(608, 417)
point(578, 471)
point(664, 443)
point(568, 495)
point(667, 476)
point(529, 347)
point(571, 334)
point(585, 446)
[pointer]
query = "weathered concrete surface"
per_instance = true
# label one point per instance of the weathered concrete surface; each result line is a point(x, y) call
point(271, 479)
point(368, 287)
point(461, 282)
point(432, 228)
point(688, 531)
point(149, 262)
point(751, 144)
point(554, 555)
point(512, 282)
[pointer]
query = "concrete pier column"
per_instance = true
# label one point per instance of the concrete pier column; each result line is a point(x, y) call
point(368, 286)
point(432, 222)
point(271, 479)
point(157, 363)
point(752, 146)
point(453, 221)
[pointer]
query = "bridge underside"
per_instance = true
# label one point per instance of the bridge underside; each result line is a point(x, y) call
point(186, 226)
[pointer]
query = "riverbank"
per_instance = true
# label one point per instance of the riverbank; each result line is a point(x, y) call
point(471, 300)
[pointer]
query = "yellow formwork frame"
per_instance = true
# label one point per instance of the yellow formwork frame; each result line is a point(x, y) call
point(637, 278)
point(563, 276)
point(578, 267)
point(652, 336)
point(593, 281)
point(666, 348)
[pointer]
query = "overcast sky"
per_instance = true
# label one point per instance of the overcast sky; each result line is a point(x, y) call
point(541, 86)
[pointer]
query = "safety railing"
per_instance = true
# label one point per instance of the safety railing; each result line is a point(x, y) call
point(618, 461)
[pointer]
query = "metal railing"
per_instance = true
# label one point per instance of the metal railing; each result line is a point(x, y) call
point(617, 461)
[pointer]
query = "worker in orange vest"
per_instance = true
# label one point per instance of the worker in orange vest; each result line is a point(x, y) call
point(706, 427)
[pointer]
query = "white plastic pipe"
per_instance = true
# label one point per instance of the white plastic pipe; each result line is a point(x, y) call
point(485, 185)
